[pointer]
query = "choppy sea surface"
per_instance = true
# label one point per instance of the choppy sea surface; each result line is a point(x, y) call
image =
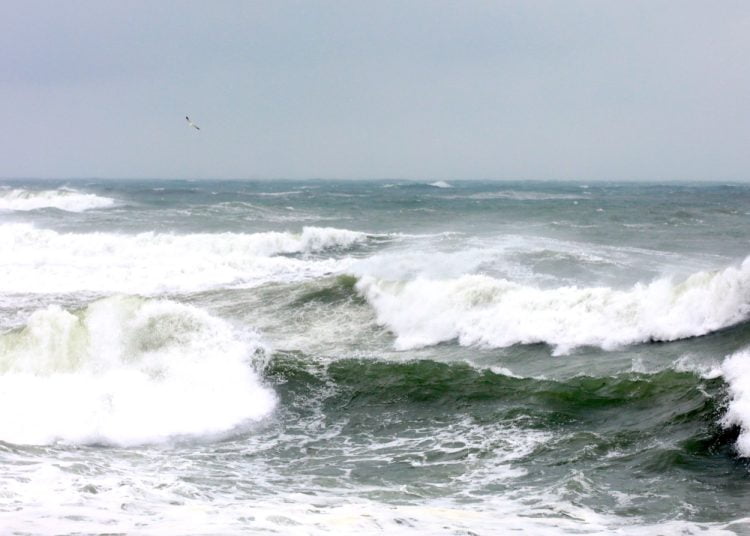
point(337, 357)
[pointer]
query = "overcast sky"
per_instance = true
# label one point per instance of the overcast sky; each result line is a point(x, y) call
point(379, 89)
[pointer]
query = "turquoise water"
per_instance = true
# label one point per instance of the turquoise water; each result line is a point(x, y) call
point(320, 357)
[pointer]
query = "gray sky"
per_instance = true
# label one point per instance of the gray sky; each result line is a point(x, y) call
point(569, 89)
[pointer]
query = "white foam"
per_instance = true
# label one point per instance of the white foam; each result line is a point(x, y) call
point(20, 199)
point(736, 371)
point(54, 503)
point(127, 371)
point(490, 312)
point(441, 184)
point(706, 370)
point(44, 261)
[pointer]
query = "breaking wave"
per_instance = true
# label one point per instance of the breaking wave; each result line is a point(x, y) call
point(489, 312)
point(736, 372)
point(44, 261)
point(19, 199)
point(127, 371)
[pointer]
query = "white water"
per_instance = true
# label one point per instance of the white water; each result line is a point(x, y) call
point(175, 511)
point(19, 199)
point(43, 261)
point(736, 371)
point(489, 312)
point(127, 371)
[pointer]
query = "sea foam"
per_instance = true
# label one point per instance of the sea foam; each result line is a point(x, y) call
point(43, 261)
point(20, 199)
point(490, 312)
point(127, 371)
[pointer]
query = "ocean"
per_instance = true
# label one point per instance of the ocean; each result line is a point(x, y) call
point(334, 357)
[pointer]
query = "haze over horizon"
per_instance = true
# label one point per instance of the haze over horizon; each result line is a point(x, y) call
point(438, 90)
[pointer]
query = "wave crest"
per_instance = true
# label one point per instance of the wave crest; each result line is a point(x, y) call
point(19, 199)
point(484, 311)
point(45, 261)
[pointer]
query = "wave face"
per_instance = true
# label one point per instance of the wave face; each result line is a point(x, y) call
point(496, 313)
point(421, 420)
point(127, 371)
point(36, 260)
point(19, 199)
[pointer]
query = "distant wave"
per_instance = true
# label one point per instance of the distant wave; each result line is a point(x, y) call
point(126, 371)
point(489, 312)
point(522, 196)
point(441, 184)
point(64, 199)
point(37, 260)
point(279, 194)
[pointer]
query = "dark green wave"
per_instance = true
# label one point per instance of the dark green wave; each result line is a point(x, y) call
point(621, 410)
point(329, 291)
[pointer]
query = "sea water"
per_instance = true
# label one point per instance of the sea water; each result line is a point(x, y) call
point(402, 357)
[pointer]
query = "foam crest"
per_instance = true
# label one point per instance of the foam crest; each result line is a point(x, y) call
point(490, 312)
point(19, 199)
point(44, 261)
point(127, 371)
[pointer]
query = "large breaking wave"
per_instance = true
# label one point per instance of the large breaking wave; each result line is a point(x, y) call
point(127, 371)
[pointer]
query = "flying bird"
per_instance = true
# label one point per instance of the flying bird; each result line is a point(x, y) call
point(191, 124)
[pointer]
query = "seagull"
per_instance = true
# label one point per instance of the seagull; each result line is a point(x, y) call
point(191, 124)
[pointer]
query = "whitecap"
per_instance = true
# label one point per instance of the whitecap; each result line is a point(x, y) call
point(19, 199)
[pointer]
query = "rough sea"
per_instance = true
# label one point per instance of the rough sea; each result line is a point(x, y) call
point(374, 357)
